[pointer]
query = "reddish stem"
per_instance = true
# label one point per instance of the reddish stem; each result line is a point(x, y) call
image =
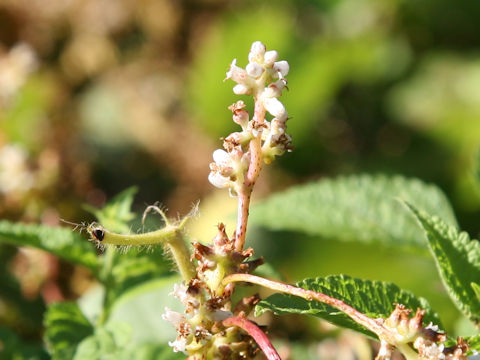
point(254, 168)
point(256, 333)
point(243, 206)
point(310, 295)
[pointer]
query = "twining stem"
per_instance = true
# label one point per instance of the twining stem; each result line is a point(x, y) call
point(254, 168)
point(256, 333)
point(310, 295)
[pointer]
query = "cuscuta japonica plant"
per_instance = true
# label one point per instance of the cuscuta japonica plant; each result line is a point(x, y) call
point(212, 326)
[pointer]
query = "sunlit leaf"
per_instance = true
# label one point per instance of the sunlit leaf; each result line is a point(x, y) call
point(355, 208)
point(62, 242)
point(458, 261)
point(375, 299)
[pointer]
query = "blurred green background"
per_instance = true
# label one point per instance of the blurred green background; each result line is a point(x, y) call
point(100, 95)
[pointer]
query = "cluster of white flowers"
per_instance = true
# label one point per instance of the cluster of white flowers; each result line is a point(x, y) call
point(15, 66)
point(264, 79)
point(15, 175)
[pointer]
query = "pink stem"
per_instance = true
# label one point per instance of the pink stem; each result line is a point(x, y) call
point(256, 333)
point(254, 168)
point(310, 295)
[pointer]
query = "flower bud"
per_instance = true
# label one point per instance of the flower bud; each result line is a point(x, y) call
point(256, 52)
point(254, 69)
point(241, 89)
point(282, 68)
point(218, 180)
point(270, 57)
point(276, 108)
point(220, 157)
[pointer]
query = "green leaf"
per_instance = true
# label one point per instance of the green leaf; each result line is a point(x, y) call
point(124, 270)
point(134, 268)
point(375, 299)
point(355, 208)
point(458, 261)
point(476, 289)
point(474, 342)
point(116, 214)
point(142, 308)
point(66, 327)
point(105, 343)
point(13, 347)
point(62, 242)
point(477, 167)
point(113, 342)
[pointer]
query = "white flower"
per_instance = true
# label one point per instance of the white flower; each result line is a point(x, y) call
point(15, 68)
point(173, 317)
point(221, 169)
point(276, 108)
point(270, 57)
point(254, 69)
point(282, 68)
point(15, 176)
point(241, 89)
point(221, 157)
point(219, 181)
point(179, 345)
point(275, 89)
point(256, 52)
point(236, 73)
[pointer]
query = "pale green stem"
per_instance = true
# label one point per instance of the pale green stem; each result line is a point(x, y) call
point(181, 254)
point(170, 236)
point(407, 351)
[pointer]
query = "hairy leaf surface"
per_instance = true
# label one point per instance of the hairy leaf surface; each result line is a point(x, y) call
point(458, 261)
point(355, 208)
point(66, 328)
point(375, 299)
point(62, 242)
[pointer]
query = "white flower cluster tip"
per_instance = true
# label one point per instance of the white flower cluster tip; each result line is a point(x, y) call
point(264, 79)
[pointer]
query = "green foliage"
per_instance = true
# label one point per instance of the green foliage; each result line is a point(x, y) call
point(114, 342)
point(134, 268)
point(458, 261)
point(130, 300)
point(446, 114)
point(376, 299)
point(66, 327)
point(124, 270)
point(12, 347)
point(474, 342)
point(142, 308)
point(117, 213)
point(62, 242)
point(355, 208)
point(477, 167)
